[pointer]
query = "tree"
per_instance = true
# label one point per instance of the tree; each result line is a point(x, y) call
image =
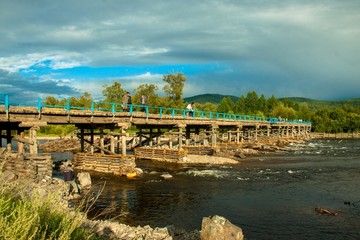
point(174, 88)
point(208, 107)
point(303, 112)
point(150, 92)
point(226, 105)
point(283, 112)
point(113, 93)
point(50, 100)
point(239, 106)
point(261, 105)
point(251, 103)
point(321, 120)
point(271, 103)
point(85, 100)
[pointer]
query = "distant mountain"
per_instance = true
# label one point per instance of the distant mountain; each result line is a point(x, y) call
point(212, 98)
point(312, 103)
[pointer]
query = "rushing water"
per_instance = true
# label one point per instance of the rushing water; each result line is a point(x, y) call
point(269, 197)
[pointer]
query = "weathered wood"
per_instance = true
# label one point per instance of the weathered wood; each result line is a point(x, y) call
point(168, 155)
point(23, 140)
point(33, 166)
point(113, 164)
point(33, 124)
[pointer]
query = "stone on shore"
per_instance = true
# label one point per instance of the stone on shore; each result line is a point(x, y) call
point(219, 228)
point(84, 179)
point(166, 176)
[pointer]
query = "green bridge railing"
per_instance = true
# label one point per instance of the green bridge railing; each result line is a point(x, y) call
point(161, 111)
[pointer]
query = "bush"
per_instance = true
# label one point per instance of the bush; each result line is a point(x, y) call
point(35, 217)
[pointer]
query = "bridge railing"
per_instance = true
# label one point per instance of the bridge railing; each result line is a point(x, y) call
point(161, 111)
point(5, 100)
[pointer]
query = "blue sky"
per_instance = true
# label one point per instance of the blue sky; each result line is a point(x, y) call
point(294, 48)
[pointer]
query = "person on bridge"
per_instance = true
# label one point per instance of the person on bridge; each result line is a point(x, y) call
point(143, 101)
point(126, 100)
point(190, 108)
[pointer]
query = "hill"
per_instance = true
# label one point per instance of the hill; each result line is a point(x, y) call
point(212, 98)
point(312, 103)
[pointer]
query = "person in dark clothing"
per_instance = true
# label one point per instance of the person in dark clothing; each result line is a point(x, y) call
point(126, 100)
point(69, 178)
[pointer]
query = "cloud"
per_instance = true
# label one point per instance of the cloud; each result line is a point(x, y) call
point(26, 90)
point(281, 48)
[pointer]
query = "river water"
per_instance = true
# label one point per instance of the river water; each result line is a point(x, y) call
point(269, 196)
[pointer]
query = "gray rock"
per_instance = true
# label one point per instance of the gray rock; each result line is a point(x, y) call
point(166, 176)
point(219, 228)
point(84, 179)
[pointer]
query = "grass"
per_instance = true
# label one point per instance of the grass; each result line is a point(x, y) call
point(31, 216)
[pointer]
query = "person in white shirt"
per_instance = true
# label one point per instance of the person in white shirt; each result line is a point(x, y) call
point(190, 108)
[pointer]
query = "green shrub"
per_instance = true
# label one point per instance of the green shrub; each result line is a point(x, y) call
point(35, 217)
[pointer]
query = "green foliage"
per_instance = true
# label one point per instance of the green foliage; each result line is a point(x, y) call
point(343, 119)
point(58, 130)
point(226, 105)
point(34, 217)
point(149, 90)
point(208, 98)
point(208, 107)
point(174, 88)
point(113, 93)
point(283, 112)
point(83, 101)
point(239, 107)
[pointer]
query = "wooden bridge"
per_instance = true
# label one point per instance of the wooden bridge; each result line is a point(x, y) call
point(105, 126)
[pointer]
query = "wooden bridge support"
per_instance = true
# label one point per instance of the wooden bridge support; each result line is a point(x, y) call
point(213, 135)
point(180, 135)
point(180, 130)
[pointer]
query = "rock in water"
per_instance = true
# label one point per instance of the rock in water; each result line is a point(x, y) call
point(166, 176)
point(219, 228)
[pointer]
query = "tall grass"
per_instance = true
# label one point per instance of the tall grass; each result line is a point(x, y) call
point(31, 216)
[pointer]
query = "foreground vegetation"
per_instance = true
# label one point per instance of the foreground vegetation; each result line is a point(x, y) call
point(28, 216)
point(342, 116)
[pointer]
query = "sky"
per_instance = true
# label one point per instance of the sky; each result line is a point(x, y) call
point(293, 48)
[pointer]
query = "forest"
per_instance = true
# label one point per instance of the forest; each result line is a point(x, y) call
point(330, 118)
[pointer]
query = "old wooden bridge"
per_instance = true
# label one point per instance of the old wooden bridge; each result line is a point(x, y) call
point(105, 126)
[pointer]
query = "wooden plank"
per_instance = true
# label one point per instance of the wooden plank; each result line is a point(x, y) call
point(33, 124)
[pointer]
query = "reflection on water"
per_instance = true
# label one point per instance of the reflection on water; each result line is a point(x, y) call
point(270, 197)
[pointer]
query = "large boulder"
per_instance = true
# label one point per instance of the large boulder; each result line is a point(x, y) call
point(219, 228)
point(84, 180)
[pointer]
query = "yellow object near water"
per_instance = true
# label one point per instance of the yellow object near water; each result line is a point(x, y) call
point(131, 175)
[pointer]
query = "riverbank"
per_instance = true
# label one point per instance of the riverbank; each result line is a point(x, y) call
point(354, 135)
point(32, 198)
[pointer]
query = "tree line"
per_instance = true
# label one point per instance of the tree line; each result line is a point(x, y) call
point(345, 118)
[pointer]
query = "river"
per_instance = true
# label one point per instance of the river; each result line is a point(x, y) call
point(268, 196)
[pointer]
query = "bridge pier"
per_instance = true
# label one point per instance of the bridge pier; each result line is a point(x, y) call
point(180, 130)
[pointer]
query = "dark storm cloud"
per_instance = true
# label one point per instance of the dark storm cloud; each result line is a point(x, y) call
point(281, 48)
point(22, 90)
